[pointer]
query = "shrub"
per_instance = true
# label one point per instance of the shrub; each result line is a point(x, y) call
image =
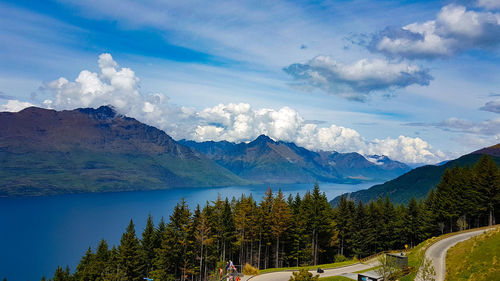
point(303, 275)
point(250, 270)
point(340, 258)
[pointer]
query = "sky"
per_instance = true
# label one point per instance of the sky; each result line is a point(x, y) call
point(418, 81)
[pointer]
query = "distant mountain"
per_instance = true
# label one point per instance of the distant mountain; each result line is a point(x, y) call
point(267, 161)
point(90, 150)
point(418, 182)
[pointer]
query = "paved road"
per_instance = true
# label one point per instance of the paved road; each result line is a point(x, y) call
point(285, 275)
point(437, 252)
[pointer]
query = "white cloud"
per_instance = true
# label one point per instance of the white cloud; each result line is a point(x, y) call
point(239, 122)
point(118, 87)
point(356, 80)
point(489, 4)
point(234, 122)
point(14, 106)
point(455, 29)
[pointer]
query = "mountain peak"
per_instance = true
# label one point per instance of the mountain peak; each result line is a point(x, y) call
point(102, 113)
point(262, 139)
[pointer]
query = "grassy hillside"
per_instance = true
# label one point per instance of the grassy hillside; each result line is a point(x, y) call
point(416, 183)
point(476, 259)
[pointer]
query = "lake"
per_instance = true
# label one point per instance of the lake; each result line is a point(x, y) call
point(39, 233)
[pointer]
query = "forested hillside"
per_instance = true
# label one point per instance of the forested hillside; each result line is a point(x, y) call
point(279, 231)
point(418, 182)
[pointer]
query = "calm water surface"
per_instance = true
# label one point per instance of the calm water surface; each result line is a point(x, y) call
point(39, 233)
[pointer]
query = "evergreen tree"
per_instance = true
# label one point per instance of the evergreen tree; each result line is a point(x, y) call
point(413, 221)
point(159, 233)
point(84, 268)
point(62, 275)
point(389, 224)
point(148, 245)
point(357, 228)
point(100, 267)
point(264, 218)
point(488, 184)
point(113, 265)
point(343, 217)
point(280, 221)
point(171, 259)
point(129, 255)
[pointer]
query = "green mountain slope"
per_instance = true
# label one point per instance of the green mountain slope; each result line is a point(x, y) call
point(418, 182)
point(93, 150)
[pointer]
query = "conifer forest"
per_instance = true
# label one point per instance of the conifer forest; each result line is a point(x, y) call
point(279, 231)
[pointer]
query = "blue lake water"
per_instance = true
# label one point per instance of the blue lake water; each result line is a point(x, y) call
point(39, 233)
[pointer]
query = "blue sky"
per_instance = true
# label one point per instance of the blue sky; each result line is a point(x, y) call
point(415, 80)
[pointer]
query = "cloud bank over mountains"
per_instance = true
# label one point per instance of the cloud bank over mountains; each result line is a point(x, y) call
point(119, 87)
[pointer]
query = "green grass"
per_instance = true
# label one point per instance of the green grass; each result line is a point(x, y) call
point(417, 254)
point(475, 259)
point(335, 278)
point(311, 267)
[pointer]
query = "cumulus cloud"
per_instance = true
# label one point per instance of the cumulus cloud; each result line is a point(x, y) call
point(239, 122)
point(118, 87)
point(492, 106)
point(356, 80)
point(454, 30)
point(14, 106)
point(235, 122)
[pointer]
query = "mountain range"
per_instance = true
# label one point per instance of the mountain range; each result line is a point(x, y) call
point(418, 182)
point(86, 150)
point(45, 152)
point(267, 161)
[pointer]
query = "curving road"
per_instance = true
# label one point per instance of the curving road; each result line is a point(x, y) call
point(437, 252)
point(285, 275)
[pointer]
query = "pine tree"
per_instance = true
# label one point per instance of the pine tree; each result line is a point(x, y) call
point(113, 265)
point(100, 261)
point(84, 268)
point(357, 228)
point(343, 217)
point(129, 255)
point(319, 213)
point(413, 221)
point(389, 224)
point(159, 233)
point(171, 260)
point(263, 222)
point(148, 245)
point(488, 184)
point(62, 275)
point(280, 221)
point(297, 232)
point(202, 235)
